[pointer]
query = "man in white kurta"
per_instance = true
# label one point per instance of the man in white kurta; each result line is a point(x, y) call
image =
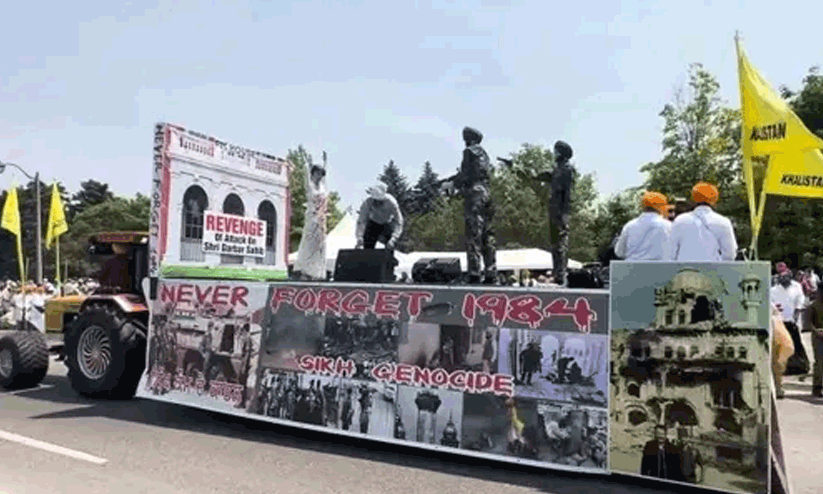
point(702, 234)
point(788, 296)
point(646, 238)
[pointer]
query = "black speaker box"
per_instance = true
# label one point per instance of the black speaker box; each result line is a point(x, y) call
point(437, 270)
point(365, 265)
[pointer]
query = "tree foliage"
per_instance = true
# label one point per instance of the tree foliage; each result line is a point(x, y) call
point(425, 192)
point(115, 214)
point(701, 139)
point(91, 193)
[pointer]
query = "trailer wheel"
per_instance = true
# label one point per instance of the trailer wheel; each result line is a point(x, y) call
point(105, 353)
point(24, 359)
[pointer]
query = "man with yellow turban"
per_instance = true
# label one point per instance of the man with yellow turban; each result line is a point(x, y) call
point(646, 238)
point(702, 234)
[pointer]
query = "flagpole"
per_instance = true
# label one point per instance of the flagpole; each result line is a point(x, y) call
point(57, 264)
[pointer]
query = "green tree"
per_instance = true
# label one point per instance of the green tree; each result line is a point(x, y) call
point(91, 193)
point(611, 215)
point(397, 185)
point(701, 139)
point(425, 192)
point(116, 214)
point(300, 159)
point(523, 205)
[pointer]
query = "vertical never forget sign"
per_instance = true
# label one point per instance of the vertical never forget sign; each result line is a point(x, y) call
point(233, 235)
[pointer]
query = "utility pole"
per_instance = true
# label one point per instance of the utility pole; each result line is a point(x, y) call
point(39, 230)
point(36, 179)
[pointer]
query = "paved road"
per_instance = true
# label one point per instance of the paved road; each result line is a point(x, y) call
point(155, 448)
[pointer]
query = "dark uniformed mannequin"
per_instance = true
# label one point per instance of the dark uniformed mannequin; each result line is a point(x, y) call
point(473, 181)
point(561, 183)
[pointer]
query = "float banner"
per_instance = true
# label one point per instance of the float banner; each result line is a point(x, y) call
point(234, 235)
point(204, 341)
point(511, 374)
point(690, 388)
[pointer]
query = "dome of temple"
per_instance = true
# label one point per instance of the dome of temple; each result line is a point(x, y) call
point(692, 281)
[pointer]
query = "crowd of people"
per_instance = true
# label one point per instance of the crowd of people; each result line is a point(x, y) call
point(14, 295)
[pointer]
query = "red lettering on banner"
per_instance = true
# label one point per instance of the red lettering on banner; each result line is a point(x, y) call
point(167, 293)
point(355, 302)
point(184, 293)
point(344, 368)
point(281, 294)
point(581, 312)
point(349, 305)
point(469, 306)
point(465, 381)
point(306, 363)
point(503, 384)
point(234, 225)
point(440, 377)
point(329, 301)
point(328, 366)
point(201, 295)
point(421, 376)
point(527, 309)
point(304, 300)
point(221, 295)
point(325, 365)
point(238, 296)
point(494, 305)
point(416, 299)
point(382, 372)
point(470, 382)
point(387, 304)
point(483, 381)
point(458, 380)
point(403, 374)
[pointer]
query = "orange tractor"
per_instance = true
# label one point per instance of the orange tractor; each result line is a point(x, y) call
point(104, 334)
point(105, 344)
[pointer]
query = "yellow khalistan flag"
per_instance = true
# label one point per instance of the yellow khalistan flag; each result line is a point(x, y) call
point(11, 222)
point(775, 137)
point(57, 218)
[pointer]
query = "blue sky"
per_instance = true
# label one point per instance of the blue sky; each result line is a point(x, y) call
point(83, 83)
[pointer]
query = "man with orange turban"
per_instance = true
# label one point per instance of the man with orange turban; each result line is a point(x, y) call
point(702, 234)
point(646, 238)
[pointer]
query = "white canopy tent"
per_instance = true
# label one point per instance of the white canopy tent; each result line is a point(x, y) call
point(507, 260)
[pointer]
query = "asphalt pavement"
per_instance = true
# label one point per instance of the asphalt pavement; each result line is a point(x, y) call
point(801, 424)
point(52, 441)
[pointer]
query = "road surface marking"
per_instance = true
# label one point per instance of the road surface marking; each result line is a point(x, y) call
point(53, 448)
point(39, 387)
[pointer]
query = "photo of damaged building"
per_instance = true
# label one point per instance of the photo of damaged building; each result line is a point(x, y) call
point(689, 394)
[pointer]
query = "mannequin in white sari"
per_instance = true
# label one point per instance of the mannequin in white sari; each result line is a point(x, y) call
point(311, 256)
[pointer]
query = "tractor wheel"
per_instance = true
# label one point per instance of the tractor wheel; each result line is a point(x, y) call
point(24, 359)
point(105, 353)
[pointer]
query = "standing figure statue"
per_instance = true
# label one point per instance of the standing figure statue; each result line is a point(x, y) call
point(311, 256)
point(561, 181)
point(473, 181)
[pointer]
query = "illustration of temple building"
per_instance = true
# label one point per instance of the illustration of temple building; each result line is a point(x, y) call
point(206, 174)
point(695, 372)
